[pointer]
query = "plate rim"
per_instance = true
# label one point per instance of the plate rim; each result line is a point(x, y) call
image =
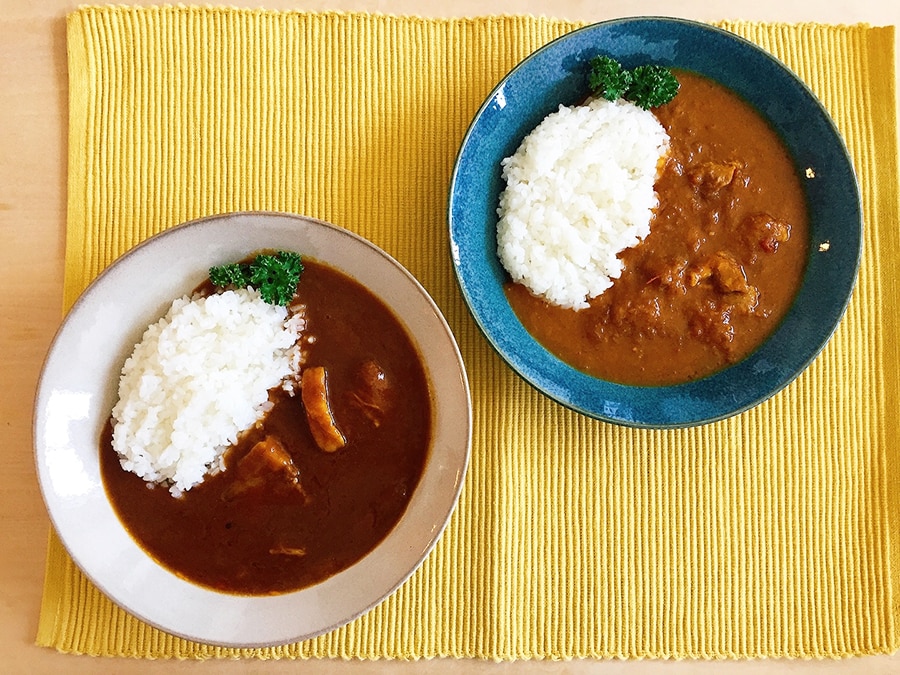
point(457, 458)
point(537, 377)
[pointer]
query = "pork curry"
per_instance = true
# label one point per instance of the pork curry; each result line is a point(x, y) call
point(302, 497)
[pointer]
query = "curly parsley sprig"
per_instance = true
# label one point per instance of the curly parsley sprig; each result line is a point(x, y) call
point(275, 276)
point(608, 78)
point(647, 86)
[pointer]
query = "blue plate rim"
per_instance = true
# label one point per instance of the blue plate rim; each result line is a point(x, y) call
point(548, 386)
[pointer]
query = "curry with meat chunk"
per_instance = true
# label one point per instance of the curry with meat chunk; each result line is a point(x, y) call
point(724, 258)
point(321, 480)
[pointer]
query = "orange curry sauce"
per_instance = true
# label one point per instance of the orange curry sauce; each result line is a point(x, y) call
point(719, 270)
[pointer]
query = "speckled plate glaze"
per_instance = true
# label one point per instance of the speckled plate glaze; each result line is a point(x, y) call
point(78, 388)
point(557, 74)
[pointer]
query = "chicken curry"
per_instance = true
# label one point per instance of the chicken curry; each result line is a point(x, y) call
point(724, 258)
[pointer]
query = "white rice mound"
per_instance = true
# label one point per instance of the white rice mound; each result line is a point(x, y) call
point(579, 191)
point(197, 379)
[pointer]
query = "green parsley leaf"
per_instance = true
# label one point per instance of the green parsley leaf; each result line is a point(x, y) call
point(652, 86)
point(608, 78)
point(648, 86)
point(275, 276)
point(233, 274)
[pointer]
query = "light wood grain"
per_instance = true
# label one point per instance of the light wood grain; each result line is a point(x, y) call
point(33, 130)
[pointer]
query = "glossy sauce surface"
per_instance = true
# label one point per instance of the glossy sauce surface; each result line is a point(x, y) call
point(255, 531)
point(719, 270)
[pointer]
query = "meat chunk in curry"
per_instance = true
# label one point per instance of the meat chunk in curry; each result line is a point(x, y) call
point(314, 392)
point(267, 466)
point(372, 394)
point(710, 177)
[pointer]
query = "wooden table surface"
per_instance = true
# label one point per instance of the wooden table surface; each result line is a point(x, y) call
point(33, 119)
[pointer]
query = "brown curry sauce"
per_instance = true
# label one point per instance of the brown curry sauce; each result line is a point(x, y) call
point(724, 258)
point(234, 535)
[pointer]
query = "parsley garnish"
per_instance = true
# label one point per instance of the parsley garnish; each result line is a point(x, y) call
point(608, 78)
point(647, 86)
point(229, 275)
point(275, 276)
point(652, 86)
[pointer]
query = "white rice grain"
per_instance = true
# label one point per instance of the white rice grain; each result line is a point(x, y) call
point(579, 191)
point(199, 377)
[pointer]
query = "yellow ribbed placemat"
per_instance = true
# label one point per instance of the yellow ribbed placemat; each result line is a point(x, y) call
point(773, 533)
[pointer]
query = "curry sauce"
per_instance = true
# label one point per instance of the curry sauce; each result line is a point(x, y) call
point(724, 258)
point(286, 514)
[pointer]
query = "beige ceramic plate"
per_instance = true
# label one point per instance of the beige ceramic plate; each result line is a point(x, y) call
point(77, 391)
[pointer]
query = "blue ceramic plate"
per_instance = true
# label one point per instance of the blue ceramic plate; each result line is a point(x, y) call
point(557, 74)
